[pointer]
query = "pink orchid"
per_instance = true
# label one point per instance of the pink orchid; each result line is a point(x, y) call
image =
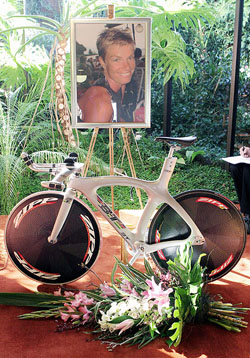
point(156, 292)
point(75, 316)
point(58, 292)
point(82, 312)
point(82, 299)
point(124, 325)
point(107, 291)
point(154, 289)
point(64, 316)
point(86, 313)
point(69, 308)
point(164, 302)
point(68, 294)
point(126, 286)
point(165, 277)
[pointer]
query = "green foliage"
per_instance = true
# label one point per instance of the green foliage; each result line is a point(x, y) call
point(148, 157)
point(12, 120)
point(168, 49)
point(202, 107)
point(24, 69)
point(189, 156)
point(168, 44)
point(187, 293)
point(41, 139)
point(39, 7)
point(30, 300)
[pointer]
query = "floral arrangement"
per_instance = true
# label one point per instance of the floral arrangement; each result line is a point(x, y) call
point(136, 307)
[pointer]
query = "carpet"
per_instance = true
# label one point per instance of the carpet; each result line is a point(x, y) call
point(38, 339)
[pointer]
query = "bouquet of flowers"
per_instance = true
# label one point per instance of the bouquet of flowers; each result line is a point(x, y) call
point(137, 307)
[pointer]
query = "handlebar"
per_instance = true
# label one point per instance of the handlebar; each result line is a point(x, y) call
point(41, 167)
point(53, 168)
point(60, 170)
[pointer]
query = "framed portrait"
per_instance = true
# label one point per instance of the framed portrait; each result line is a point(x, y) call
point(111, 72)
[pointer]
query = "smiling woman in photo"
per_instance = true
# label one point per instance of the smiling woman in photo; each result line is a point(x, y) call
point(113, 97)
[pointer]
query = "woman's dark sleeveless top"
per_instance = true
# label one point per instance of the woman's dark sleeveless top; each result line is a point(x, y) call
point(126, 106)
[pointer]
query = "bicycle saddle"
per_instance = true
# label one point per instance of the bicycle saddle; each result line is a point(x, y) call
point(184, 141)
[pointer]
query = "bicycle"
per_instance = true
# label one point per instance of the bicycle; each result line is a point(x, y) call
point(54, 237)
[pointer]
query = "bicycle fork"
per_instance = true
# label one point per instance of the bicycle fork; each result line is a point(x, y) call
point(62, 215)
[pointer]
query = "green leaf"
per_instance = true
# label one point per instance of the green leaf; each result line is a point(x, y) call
point(181, 161)
point(153, 329)
point(120, 319)
point(44, 30)
point(113, 272)
point(176, 337)
point(31, 299)
point(193, 288)
point(148, 268)
point(46, 20)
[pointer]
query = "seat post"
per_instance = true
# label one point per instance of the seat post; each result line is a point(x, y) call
point(171, 150)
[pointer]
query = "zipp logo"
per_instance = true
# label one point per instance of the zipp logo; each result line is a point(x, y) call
point(211, 201)
point(31, 206)
point(33, 270)
point(223, 266)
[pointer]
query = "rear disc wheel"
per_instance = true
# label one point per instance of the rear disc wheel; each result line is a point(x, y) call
point(219, 221)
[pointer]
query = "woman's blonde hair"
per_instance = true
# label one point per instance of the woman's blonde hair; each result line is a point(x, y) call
point(112, 36)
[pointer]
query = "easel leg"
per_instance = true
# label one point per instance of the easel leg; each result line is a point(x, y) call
point(124, 257)
point(124, 254)
point(131, 163)
point(111, 161)
point(90, 152)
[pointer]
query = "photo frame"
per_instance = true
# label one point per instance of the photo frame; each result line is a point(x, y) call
point(111, 81)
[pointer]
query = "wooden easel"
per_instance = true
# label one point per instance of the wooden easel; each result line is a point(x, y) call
point(125, 134)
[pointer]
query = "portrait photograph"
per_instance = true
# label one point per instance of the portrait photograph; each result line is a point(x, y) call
point(110, 72)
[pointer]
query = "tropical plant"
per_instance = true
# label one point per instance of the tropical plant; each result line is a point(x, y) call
point(18, 132)
point(60, 30)
point(13, 120)
point(168, 45)
point(189, 156)
point(202, 108)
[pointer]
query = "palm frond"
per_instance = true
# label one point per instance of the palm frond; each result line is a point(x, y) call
point(47, 156)
point(11, 168)
point(43, 19)
point(61, 151)
point(29, 27)
point(14, 115)
point(19, 64)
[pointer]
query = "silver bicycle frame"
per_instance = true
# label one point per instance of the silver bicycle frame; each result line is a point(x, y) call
point(157, 192)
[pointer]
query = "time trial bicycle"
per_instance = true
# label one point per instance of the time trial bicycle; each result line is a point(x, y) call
point(54, 237)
